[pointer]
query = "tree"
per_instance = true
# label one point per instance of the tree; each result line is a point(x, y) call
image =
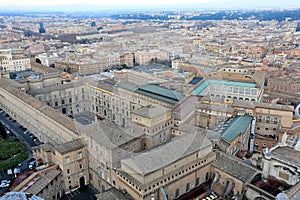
point(11, 154)
point(2, 132)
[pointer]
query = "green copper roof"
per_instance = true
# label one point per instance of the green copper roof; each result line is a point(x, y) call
point(206, 83)
point(238, 126)
point(155, 91)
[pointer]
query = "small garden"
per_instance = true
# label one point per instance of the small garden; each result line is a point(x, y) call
point(11, 152)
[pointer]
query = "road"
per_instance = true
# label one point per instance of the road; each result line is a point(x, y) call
point(13, 128)
point(25, 139)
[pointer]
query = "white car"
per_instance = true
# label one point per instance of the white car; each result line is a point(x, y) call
point(5, 181)
point(4, 185)
point(32, 164)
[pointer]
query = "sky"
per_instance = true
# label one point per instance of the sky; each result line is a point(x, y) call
point(197, 4)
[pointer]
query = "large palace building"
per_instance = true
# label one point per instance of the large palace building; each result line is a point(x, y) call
point(145, 140)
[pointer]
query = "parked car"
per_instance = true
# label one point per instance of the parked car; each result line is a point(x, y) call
point(25, 132)
point(32, 164)
point(13, 121)
point(2, 185)
point(6, 181)
point(31, 159)
point(16, 170)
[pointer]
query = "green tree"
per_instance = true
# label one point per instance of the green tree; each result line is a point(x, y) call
point(3, 134)
point(11, 154)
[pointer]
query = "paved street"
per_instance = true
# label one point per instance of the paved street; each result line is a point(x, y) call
point(14, 128)
point(14, 132)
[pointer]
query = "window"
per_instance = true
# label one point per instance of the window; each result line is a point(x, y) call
point(197, 181)
point(80, 166)
point(67, 159)
point(102, 165)
point(207, 176)
point(275, 120)
point(259, 118)
point(268, 119)
point(68, 171)
point(177, 193)
point(187, 187)
point(79, 154)
point(102, 175)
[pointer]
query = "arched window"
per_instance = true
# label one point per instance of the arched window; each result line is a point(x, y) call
point(102, 175)
point(207, 176)
point(268, 119)
point(177, 193)
point(197, 181)
point(56, 103)
point(70, 100)
point(187, 187)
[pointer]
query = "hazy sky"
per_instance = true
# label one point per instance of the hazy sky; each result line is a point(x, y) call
point(151, 3)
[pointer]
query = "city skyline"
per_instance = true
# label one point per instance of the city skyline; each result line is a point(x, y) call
point(155, 4)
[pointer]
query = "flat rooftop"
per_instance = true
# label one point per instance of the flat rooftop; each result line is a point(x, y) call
point(287, 154)
point(206, 83)
point(84, 118)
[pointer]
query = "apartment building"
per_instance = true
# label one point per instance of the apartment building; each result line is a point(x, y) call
point(13, 61)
